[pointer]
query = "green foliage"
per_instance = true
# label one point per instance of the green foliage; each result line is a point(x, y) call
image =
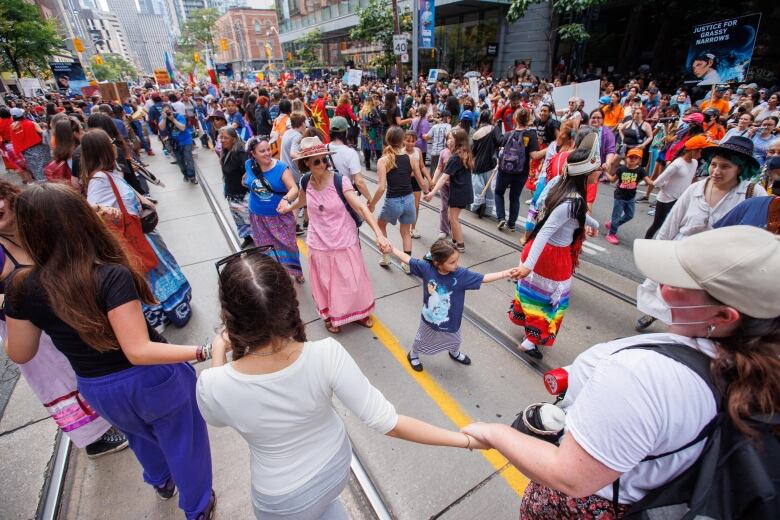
point(27, 42)
point(113, 68)
point(574, 32)
point(375, 25)
point(197, 33)
point(307, 50)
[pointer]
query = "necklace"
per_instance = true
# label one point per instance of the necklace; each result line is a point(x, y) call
point(7, 237)
point(271, 353)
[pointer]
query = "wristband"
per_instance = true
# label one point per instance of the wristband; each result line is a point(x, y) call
point(468, 441)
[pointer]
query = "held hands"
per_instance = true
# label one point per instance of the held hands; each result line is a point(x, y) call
point(591, 231)
point(428, 196)
point(384, 244)
point(518, 272)
point(479, 433)
point(283, 207)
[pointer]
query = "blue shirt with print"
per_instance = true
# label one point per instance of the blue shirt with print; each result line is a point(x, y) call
point(444, 294)
point(183, 137)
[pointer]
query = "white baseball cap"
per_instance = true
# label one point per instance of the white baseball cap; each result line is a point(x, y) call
point(737, 265)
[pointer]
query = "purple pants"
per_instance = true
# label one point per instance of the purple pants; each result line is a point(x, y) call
point(444, 216)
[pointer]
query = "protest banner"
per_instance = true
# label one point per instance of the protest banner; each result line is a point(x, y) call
point(354, 77)
point(588, 91)
point(720, 52)
point(69, 76)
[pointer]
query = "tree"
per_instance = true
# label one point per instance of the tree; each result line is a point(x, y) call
point(307, 50)
point(572, 9)
point(375, 25)
point(113, 68)
point(27, 42)
point(197, 33)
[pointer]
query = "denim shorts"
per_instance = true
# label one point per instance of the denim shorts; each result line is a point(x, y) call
point(399, 209)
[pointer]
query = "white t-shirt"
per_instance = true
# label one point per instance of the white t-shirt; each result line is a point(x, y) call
point(345, 160)
point(291, 142)
point(675, 179)
point(623, 407)
point(287, 417)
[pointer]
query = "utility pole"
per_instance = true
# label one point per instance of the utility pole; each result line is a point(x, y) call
point(397, 30)
point(415, 41)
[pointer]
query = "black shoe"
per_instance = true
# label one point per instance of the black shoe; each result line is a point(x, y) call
point(481, 211)
point(534, 353)
point(208, 513)
point(248, 242)
point(194, 180)
point(305, 225)
point(299, 230)
point(417, 367)
point(167, 490)
point(461, 358)
point(111, 441)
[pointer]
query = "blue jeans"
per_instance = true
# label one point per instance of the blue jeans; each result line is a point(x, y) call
point(515, 184)
point(478, 181)
point(155, 407)
point(622, 212)
point(183, 154)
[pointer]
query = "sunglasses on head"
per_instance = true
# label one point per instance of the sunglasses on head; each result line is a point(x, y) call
point(219, 264)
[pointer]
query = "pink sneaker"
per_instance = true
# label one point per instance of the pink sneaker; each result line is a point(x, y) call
point(613, 239)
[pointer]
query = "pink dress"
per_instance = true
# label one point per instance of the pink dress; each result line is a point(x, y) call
point(337, 273)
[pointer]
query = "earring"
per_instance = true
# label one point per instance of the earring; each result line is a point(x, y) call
point(710, 330)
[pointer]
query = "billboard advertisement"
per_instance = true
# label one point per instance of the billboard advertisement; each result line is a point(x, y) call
point(69, 76)
point(720, 52)
point(427, 19)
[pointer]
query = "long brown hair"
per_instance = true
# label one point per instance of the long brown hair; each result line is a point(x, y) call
point(462, 148)
point(97, 154)
point(259, 303)
point(68, 243)
point(747, 366)
point(64, 140)
point(394, 138)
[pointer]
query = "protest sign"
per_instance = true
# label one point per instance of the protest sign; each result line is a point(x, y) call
point(588, 91)
point(69, 76)
point(354, 77)
point(720, 52)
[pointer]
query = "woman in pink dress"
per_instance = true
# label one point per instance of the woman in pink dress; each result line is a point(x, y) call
point(339, 281)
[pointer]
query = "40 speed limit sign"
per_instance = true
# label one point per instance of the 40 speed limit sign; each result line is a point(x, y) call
point(400, 45)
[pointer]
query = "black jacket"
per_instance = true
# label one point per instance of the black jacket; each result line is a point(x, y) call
point(233, 172)
point(485, 143)
point(263, 122)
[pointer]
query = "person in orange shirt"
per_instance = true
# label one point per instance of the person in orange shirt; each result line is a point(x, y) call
point(712, 127)
point(613, 113)
point(717, 102)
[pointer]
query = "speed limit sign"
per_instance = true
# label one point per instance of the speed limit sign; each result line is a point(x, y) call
point(400, 45)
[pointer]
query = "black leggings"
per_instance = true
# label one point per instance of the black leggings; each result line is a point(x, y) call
point(367, 153)
point(662, 209)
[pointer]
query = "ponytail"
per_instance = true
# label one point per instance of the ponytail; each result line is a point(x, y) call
point(394, 139)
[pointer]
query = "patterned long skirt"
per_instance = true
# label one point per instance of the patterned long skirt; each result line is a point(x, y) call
point(542, 297)
point(543, 503)
point(37, 158)
point(278, 231)
point(170, 287)
point(239, 210)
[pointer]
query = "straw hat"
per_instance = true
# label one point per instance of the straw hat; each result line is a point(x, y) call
point(591, 163)
point(311, 147)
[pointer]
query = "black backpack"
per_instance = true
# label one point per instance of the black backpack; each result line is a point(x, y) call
point(512, 159)
point(337, 182)
point(735, 477)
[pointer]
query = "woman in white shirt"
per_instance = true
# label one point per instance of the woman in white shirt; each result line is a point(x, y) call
point(623, 406)
point(731, 165)
point(278, 390)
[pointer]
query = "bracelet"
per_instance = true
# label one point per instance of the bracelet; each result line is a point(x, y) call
point(206, 351)
point(468, 441)
point(199, 354)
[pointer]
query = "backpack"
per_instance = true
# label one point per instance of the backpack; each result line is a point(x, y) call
point(512, 160)
point(733, 478)
point(339, 189)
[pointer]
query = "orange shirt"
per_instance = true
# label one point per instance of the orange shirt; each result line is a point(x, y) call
point(721, 105)
point(613, 115)
point(715, 131)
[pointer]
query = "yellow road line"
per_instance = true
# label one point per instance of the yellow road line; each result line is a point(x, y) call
point(446, 403)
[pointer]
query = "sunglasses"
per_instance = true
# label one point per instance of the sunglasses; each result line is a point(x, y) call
point(318, 161)
point(219, 264)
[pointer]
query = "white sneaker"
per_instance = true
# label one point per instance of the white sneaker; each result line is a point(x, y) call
point(443, 235)
point(405, 268)
point(414, 233)
point(651, 212)
point(385, 261)
point(501, 224)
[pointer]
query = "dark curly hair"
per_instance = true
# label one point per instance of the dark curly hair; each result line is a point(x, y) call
point(259, 303)
point(8, 192)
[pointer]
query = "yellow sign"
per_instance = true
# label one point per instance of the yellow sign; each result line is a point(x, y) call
point(196, 57)
point(223, 44)
point(162, 77)
point(99, 59)
point(78, 46)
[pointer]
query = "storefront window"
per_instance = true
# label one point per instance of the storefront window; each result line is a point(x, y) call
point(461, 43)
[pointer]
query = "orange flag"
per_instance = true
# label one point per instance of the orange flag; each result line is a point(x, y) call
point(319, 117)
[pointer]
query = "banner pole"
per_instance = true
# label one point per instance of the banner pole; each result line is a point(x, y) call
point(415, 41)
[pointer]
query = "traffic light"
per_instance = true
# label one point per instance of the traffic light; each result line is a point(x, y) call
point(196, 57)
point(78, 45)
point(99, 59)
point(223, 44)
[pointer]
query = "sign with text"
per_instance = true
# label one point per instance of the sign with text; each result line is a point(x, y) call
point(433, 75)
point(720, 52)
point(162, 77)
point(400, 44)
point(427, 20)
point(69, 76)
point(224, 69)
point(354, 77)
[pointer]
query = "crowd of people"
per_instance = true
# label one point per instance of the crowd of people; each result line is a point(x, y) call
point(91, 343)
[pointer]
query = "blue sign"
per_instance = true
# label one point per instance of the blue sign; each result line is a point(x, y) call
point(427, 18)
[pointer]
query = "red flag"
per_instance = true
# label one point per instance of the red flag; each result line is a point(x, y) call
point(319, 117)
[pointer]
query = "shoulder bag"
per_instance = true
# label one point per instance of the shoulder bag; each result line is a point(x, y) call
point(131, 230)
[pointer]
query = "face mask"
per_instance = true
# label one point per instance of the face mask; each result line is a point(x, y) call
point(664, 313)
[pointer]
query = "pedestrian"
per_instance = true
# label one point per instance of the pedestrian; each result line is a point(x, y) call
point(346, 160)
point(395, 170)
point(65, 137)
point(635, 133)
point(675, 179)
point(105, 186)
point(340, 285)
point(513, 164)
point(277, 393)
point(552, 252)
point(437, 137)
point(484, 146)
point(457, 174)
point(370, 132)
point(272, 187)
point(263, 123)
point(628, 178)
point(763, 136)
point(279, 128)
point(416, 155)
point(730, 165)
point(127, 372)
point(420, 126)
point(180, 139)
point(628, 433)
point(444, 285)
point(11, 160)
point(232, 161)
point(27, 141)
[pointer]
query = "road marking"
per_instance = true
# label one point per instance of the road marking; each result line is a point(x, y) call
point(446, 403)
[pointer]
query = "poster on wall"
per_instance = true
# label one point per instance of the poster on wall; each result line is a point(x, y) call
point(720, 52)
point(69, 76)
point(427, 20)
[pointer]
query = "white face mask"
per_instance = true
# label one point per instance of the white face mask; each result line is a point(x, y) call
point(663, 312)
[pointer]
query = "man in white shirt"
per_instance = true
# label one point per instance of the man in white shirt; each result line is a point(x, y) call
point(290, 151)
point(346, 160)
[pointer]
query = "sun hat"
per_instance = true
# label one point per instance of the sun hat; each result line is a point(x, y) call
point(339, 124)
point(736, 265)
point(592, 162)
point(695, 117)
point(311, 147)
point(737, 144)
point(635, 152)
point(698, 142)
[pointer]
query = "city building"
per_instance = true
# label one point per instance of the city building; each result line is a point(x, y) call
point(149, 35)
point(469, 34)
point(191, 5)
point(223, 5)
point(107, 34)
point(246, 33)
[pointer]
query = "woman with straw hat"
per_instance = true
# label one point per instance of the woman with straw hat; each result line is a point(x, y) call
point(339, 281)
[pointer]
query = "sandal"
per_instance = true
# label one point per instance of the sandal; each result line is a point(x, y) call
point(333, 329)
point(366, 322)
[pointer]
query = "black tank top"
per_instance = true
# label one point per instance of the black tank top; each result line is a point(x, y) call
point(399, 179)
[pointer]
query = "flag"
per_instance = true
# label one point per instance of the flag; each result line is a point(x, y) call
point(212, 73)
point(169, 68)
point(319, 117)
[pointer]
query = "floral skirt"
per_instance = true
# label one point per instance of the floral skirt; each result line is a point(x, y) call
point(37, 157)
point(543, 503)
point(542, 297)
point(278, 231)
point(170, 287)
point(239, 210)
